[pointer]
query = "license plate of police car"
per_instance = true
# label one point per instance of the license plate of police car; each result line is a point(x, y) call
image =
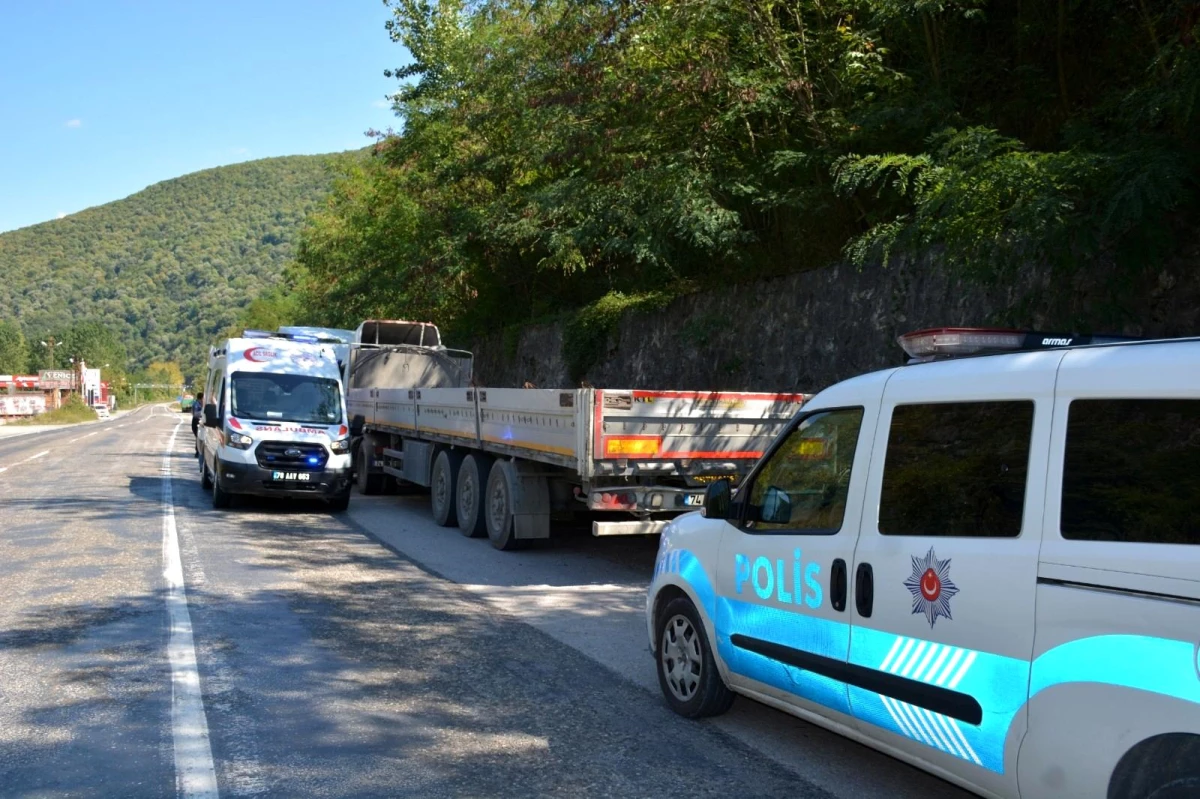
point(302, 477)
point(695, 500)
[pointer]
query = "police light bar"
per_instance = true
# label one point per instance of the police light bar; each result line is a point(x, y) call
point(951, 342)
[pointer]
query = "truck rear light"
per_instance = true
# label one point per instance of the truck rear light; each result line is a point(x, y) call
point(637, 446)
point(614, 500)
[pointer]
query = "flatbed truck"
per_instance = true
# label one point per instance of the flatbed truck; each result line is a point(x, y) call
point(503, 462)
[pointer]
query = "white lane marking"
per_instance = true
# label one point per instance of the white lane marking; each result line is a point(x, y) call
point(27, 460)
point(80, 438)
point(195, 777)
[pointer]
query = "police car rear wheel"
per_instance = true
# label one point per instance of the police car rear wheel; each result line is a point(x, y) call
point(687, 672)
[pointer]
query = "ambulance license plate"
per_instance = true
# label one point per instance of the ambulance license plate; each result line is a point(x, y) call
point(299, 477)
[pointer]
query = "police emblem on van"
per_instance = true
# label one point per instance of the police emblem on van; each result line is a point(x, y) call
point(931, 587)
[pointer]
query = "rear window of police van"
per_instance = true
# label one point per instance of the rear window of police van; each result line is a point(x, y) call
point(1132, 471)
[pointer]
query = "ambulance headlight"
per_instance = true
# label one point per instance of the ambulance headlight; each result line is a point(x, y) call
point(238, 440)
point(340, 447)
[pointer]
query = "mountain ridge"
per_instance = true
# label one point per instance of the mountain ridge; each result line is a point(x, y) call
point(169, 267)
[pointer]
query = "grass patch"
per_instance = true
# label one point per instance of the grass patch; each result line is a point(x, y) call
point(73, 410)
point(591, 332)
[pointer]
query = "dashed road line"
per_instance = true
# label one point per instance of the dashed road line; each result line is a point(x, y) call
point(195, 777)
point(27, 460)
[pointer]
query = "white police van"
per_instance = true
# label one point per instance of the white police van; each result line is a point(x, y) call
point(986, 566)
point(275, 421)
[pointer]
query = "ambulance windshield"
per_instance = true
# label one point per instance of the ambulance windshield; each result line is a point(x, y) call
point(286, 398)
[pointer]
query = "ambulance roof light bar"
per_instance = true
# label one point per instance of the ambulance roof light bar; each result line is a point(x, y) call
point(939, 343)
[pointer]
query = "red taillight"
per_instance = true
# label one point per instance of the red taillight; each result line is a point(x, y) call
point(614, 500)
point(947, 341)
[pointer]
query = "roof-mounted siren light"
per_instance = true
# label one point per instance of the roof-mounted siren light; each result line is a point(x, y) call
point(257, 334)
point(950, 342)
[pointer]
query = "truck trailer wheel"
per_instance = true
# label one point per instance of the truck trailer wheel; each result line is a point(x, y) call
point(499, 508)
point(472, 483)
point(441, 487)
point(368, 484)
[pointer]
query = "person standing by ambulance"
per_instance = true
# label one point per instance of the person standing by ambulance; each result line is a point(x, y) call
point(197, 415)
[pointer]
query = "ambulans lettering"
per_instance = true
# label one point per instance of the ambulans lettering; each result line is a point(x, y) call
point(792, 584)
point(260, 354)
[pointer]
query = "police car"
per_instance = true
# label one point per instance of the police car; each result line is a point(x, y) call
point(988, 567)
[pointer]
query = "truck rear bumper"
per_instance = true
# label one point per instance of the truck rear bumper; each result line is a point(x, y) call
point(649, 527)
point(246, 478)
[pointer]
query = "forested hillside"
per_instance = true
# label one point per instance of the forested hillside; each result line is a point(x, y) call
point(567, 153)
point(167, 268)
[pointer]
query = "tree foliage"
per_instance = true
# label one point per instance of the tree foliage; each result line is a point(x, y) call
point(554, 151)
point(166, 269)
point(13, 354)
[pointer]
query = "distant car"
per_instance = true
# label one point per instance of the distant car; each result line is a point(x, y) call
point(101, 410)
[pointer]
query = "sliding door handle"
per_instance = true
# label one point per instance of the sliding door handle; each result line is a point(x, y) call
point(864, 590)
point(837, 585)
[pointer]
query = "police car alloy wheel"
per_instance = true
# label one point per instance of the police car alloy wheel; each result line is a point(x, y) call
point(687, 672)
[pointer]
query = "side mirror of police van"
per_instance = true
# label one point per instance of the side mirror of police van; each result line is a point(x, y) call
point(776, 507)
point(210, 416)
point(718, 500)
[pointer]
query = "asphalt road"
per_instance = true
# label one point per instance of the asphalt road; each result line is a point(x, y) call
point(361, 655)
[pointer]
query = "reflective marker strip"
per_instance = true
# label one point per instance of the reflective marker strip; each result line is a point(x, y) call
point(1001, 685)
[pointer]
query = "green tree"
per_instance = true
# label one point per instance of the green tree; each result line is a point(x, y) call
point(13, 353)
point(95, 343)
point(555, 151)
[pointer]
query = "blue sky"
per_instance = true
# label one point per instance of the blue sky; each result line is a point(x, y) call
point(101, 99)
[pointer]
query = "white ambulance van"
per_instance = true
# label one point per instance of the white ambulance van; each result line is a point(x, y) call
point(986, 566)
point(275, 422)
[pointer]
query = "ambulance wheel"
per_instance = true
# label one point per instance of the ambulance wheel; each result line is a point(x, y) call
point(687, 671)
point(221, 498)
point(441, 487)
point(341, 502)
point(499, 509)
point(472, 481)
point(368, 484)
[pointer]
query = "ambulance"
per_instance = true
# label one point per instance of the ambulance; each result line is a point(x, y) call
point(274, 422)
point(985, 563)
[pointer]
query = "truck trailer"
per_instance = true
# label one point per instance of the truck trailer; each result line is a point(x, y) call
point(502, 462)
